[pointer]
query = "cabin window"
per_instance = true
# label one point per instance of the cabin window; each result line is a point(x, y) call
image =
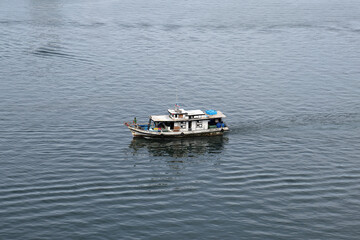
point(183, 125)
point(199, 124)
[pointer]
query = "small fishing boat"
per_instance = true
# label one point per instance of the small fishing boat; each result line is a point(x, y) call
point(180, 123)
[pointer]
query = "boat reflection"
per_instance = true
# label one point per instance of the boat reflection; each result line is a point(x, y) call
point(180, 147)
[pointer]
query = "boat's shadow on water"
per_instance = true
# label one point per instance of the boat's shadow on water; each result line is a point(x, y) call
point(179, 148)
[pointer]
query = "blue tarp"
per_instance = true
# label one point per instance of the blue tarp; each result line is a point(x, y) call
point(211, 112)
point(219, 125)
point(145, 127)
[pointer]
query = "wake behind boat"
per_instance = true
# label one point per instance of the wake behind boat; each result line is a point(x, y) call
point(180, 123)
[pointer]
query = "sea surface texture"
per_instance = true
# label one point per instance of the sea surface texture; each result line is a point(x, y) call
point(285, 72)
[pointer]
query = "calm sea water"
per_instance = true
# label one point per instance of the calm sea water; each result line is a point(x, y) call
point(286, 73)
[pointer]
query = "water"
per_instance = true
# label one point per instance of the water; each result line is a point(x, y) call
point(286, 73)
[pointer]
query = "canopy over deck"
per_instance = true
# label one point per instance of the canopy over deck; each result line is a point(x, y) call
point(161, 118)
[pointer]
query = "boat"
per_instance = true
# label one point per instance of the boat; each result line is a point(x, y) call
point(180, 123)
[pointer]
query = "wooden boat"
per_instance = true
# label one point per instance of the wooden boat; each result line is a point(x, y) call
point(180, 123)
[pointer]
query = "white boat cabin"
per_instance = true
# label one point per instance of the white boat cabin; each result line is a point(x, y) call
point(180, 120)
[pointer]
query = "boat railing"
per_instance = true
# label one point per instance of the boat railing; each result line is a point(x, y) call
point(136, 125)
point(145, 126)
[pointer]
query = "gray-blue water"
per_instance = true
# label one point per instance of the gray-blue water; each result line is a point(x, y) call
point(286, 73)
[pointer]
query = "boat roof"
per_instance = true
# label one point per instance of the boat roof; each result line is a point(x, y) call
point(189, 112)
point(195, 112)
point(217, 115)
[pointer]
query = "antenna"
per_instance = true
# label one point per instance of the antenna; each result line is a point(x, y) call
point(176, 94)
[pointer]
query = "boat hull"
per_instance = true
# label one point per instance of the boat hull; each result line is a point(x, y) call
point(138, 133)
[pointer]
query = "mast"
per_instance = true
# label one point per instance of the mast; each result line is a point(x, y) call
point(177, 107)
